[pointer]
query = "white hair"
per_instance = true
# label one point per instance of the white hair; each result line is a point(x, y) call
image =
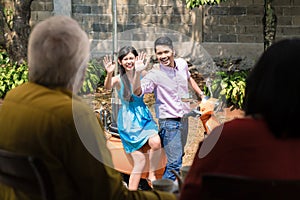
point(58, 53)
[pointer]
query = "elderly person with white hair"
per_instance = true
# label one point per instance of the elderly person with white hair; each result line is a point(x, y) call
point(45, 118)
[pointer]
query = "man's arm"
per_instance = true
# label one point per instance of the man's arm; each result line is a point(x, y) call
point(147, 84)
point(196, 88)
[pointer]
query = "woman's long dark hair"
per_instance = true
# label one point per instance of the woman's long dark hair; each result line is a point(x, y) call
point(124, 51)
point(273, 88)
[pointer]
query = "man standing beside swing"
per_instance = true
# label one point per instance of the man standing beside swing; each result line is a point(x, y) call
point(170, 83)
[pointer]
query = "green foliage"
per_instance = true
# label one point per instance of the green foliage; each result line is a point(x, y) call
point(4, 59)
point(95, 76)
point(197, 3)
point(229, 87)
point(11, 74)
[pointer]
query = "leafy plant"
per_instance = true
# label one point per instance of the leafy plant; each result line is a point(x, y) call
point(197, 3)
point(95, 76)
point(4, 59)
point(11, 74)
point(229, 87)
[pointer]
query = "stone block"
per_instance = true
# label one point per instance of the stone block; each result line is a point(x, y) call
point(220, 29)
point(42, 15)
point(230, 20)
point(258, 2)
point(211, 37)
point(285, 20)
point(255, 10)
point(237, 11)
point(150, 9)
point(186, 19)
point(211, 21)
point(246, 38)
point(135, 18)
point(236, 29)
point(33, 18)
point(219, 10)
point(292, 31)
point(178, 10)
point(98, 27)
point(81, 9)
point(257, 30)
point(245, 2)
point(76, 1)
point(96, 9)
point(160, 2)
point(228, 38)
point(38, 6)
point(282, 2)
point(139, 36)
point(128, 27)
point(175, 19)
point(259, 20)
point(296, 20)
point(133, 9)
point(286, 11)
point(246, 20)
point(295, 11)
point(296, 2)
point(49, 6)
point(251, 50)
point(98, 35)
point(165, 10)
point(280, 11)
point(122, 19)
point(128, 2)
point(78, 17)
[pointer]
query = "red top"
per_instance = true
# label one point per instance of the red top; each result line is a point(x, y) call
point(244, 147)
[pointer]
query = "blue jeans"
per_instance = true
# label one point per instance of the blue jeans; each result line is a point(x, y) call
point(173, 136)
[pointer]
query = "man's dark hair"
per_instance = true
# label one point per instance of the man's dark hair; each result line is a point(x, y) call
point(166, 41)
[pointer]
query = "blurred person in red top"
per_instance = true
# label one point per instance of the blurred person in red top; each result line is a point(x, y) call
point(264, 144)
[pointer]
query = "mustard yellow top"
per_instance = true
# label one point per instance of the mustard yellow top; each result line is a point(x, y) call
point(58, 127)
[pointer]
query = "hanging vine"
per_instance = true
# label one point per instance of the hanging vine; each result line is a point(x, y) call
point(269, 23)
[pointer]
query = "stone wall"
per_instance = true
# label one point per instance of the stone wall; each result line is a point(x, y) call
point(40, 10)
point(240, 21)
point(233, 28)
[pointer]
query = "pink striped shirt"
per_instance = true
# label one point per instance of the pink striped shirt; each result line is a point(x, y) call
point(169, 86)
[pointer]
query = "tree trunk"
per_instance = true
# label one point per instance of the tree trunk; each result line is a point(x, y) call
point(14, 28)
point(269, 23)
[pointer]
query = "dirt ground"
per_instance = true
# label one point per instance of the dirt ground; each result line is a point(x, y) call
point(195, 135)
